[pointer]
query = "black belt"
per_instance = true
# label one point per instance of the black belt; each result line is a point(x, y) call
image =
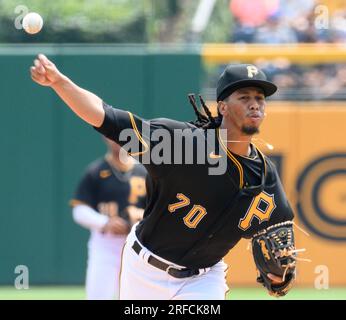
point(174, 272)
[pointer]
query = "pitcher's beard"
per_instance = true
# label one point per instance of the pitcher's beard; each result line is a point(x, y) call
point(249, 130)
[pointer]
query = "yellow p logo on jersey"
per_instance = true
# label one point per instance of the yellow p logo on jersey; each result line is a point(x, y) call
point(251, 71)
point(261, 207)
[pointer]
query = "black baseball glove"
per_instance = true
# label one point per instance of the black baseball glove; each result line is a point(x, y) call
point(274, 252)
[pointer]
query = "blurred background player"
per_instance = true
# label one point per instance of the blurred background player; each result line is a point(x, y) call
point(109, 199)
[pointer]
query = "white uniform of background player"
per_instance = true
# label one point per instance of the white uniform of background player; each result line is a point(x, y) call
point(109, 199)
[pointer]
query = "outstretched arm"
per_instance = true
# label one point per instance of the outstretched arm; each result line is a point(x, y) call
point(83, 103)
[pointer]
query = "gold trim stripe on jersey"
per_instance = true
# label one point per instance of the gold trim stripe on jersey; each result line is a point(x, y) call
point(134, 126)
point(236, 162)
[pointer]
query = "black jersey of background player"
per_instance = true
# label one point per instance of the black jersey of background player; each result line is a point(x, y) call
point(193, 218)
point(109, 191)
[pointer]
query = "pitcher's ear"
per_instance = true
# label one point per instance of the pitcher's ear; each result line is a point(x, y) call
point(221, 107)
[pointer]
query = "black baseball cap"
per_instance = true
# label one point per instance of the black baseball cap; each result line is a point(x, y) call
point(237, 76)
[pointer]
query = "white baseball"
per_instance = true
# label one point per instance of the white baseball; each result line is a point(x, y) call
point(32, 23)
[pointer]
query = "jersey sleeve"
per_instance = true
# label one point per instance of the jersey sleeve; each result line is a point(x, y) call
point(85, 192)
point(137, 136)
point(123, 127)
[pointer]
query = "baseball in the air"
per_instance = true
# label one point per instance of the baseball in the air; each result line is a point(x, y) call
point(32, 23)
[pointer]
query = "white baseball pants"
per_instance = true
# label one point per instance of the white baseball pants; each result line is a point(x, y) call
point(103, 266)
point(139, 280)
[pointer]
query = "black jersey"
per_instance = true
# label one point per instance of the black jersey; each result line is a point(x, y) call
point(194, 218)
point(109, 191)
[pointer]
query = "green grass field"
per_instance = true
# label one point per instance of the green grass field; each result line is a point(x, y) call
point(77, 293)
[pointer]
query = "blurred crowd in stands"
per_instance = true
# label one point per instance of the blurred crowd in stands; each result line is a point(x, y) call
point(295, 21)
point(287, 21)
point(312, 83)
